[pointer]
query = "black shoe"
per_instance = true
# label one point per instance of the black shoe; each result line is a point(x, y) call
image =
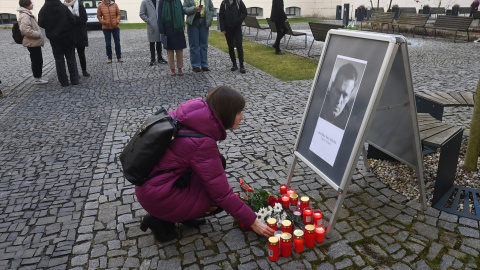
point(242, 68)
point(162, 61)
point(152, 63)
point(86, 74)
point(65, 84)
point(75, 83)
point(205, 69)
point(234, 67)
point(164, 231)
point(197, 69)
point(279, 52)
point(194, 222)
point(1, 94)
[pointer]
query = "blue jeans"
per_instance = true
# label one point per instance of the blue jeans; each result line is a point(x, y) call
point(108, 42)
point(198, 42)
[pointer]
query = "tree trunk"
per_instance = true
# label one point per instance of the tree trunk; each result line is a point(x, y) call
point(471, 158)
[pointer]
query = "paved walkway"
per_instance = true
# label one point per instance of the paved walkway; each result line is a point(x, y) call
point(64, 203)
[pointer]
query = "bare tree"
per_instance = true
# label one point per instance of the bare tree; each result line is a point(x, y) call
point(471, 158)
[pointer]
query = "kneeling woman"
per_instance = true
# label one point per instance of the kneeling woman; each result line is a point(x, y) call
point(195, 184)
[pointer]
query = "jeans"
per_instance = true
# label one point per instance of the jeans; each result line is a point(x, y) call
point(63, 48)
point(281, 31)
point(108, 42)
point(234, 38)
point(198, 42)
point(37, 61)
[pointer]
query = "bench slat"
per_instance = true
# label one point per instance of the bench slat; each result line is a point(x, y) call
point(433, 131)
point(441, 138)
point(448, 97)
point(458, 97)
point(429, 97)
point(469, 97)
point(437, 97)
point(427, 125)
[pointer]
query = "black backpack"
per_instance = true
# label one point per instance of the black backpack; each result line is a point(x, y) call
point(16, 34)
point(148, 145)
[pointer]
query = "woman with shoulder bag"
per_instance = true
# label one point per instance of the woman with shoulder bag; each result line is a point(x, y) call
point(194, 184)
point(32, 38)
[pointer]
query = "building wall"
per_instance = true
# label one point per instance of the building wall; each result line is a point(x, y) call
point(309, 8)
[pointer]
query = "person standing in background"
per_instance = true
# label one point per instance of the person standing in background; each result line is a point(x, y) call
point(148, 13)
point(232, 14)
point(473, 7)
point(172, 25)
point(109, 15)
point(280, 18)
point(32, 38)
point(79, 31)
point(199, 19)
point(58, 22)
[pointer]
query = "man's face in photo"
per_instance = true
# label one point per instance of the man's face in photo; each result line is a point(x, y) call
point(340, 93)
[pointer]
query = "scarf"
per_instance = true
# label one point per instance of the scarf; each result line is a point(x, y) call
point(173, 18)
point(73, 7)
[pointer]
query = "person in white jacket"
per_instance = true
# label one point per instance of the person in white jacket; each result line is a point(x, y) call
point(32, 38)
point(148, 13)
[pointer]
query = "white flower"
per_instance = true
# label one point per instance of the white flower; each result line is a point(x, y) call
point(269, 210)
point(263, 211)
point(260, 216)
point(277, 208)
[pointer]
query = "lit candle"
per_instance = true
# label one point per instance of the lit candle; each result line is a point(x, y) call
point(290, 191)
point(272, 223)
point(298, 241)
point(304, 202)
point(283, 189)
point(309, 236)
point(307, 215)
point(317, 218)
point(285, 201)
point(273, 249)
point(293, 202)
point(320, 234)
point(286, 245)
point(287, 226)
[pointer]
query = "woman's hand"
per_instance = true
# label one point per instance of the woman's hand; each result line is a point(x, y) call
point(224, 32)
point(198, 8)
point(262, 228)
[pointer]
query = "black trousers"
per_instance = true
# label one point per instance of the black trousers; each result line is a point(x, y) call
point(64, 49)
point(37, 61)
point(281, 31)
point(234, 39)
point(158, 47)
point(81, 58)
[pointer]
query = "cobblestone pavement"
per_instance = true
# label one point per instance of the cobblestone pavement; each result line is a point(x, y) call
point(64, 203)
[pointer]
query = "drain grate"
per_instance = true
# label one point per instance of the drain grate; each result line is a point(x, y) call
point(461, 201)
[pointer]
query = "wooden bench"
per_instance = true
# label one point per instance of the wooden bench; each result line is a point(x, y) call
point(252, 22)
point(434, 102)
point(408, 10)
point(464, 10)
point(437, 10)
point(411, 19)
point(320, 31)
point(380, 18)
point(452, 23)
point(292, 33)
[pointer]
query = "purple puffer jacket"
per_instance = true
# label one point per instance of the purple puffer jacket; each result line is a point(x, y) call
point(208, 183)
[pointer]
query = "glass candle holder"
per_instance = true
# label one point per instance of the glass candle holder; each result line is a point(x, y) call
point(285, 201)
point(298, 217)
point(273, 249)
point(293, 202)
point(272, 223)
point(317, 218)
point(298, 241)
point(304, 203)
point(286, 245)
point(290, 191)
point(320, 234)
point(307, 215)
point(278, 234)
point(283, 189)
point(309, 236)
point(287, 226)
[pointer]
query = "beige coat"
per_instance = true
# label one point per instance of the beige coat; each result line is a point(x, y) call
point(32, 33)
point(108, 14)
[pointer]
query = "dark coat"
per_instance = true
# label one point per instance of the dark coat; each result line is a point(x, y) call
point(175, 41)
point(278, 13)
point(232, 16)
point(80, 28)
point(57, 20)
point(208, 182)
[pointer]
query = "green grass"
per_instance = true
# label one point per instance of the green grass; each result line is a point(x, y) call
point(133, 26)
point(288, 67)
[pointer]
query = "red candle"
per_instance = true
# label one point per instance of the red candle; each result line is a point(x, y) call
point(272, 223)
point(304, 202)
point(307, 215)
point(273, 249)
point(290, 191)
point(320, 234)
point(293, 202)
point(298, 241)
point(287, 226)
point(286, 245)
point(309, 236)
point(285, 201)
point(283, 189)
point(317, 218)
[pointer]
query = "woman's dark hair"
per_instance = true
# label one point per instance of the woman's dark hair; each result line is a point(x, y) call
point(24, 3)
point(225, 103)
